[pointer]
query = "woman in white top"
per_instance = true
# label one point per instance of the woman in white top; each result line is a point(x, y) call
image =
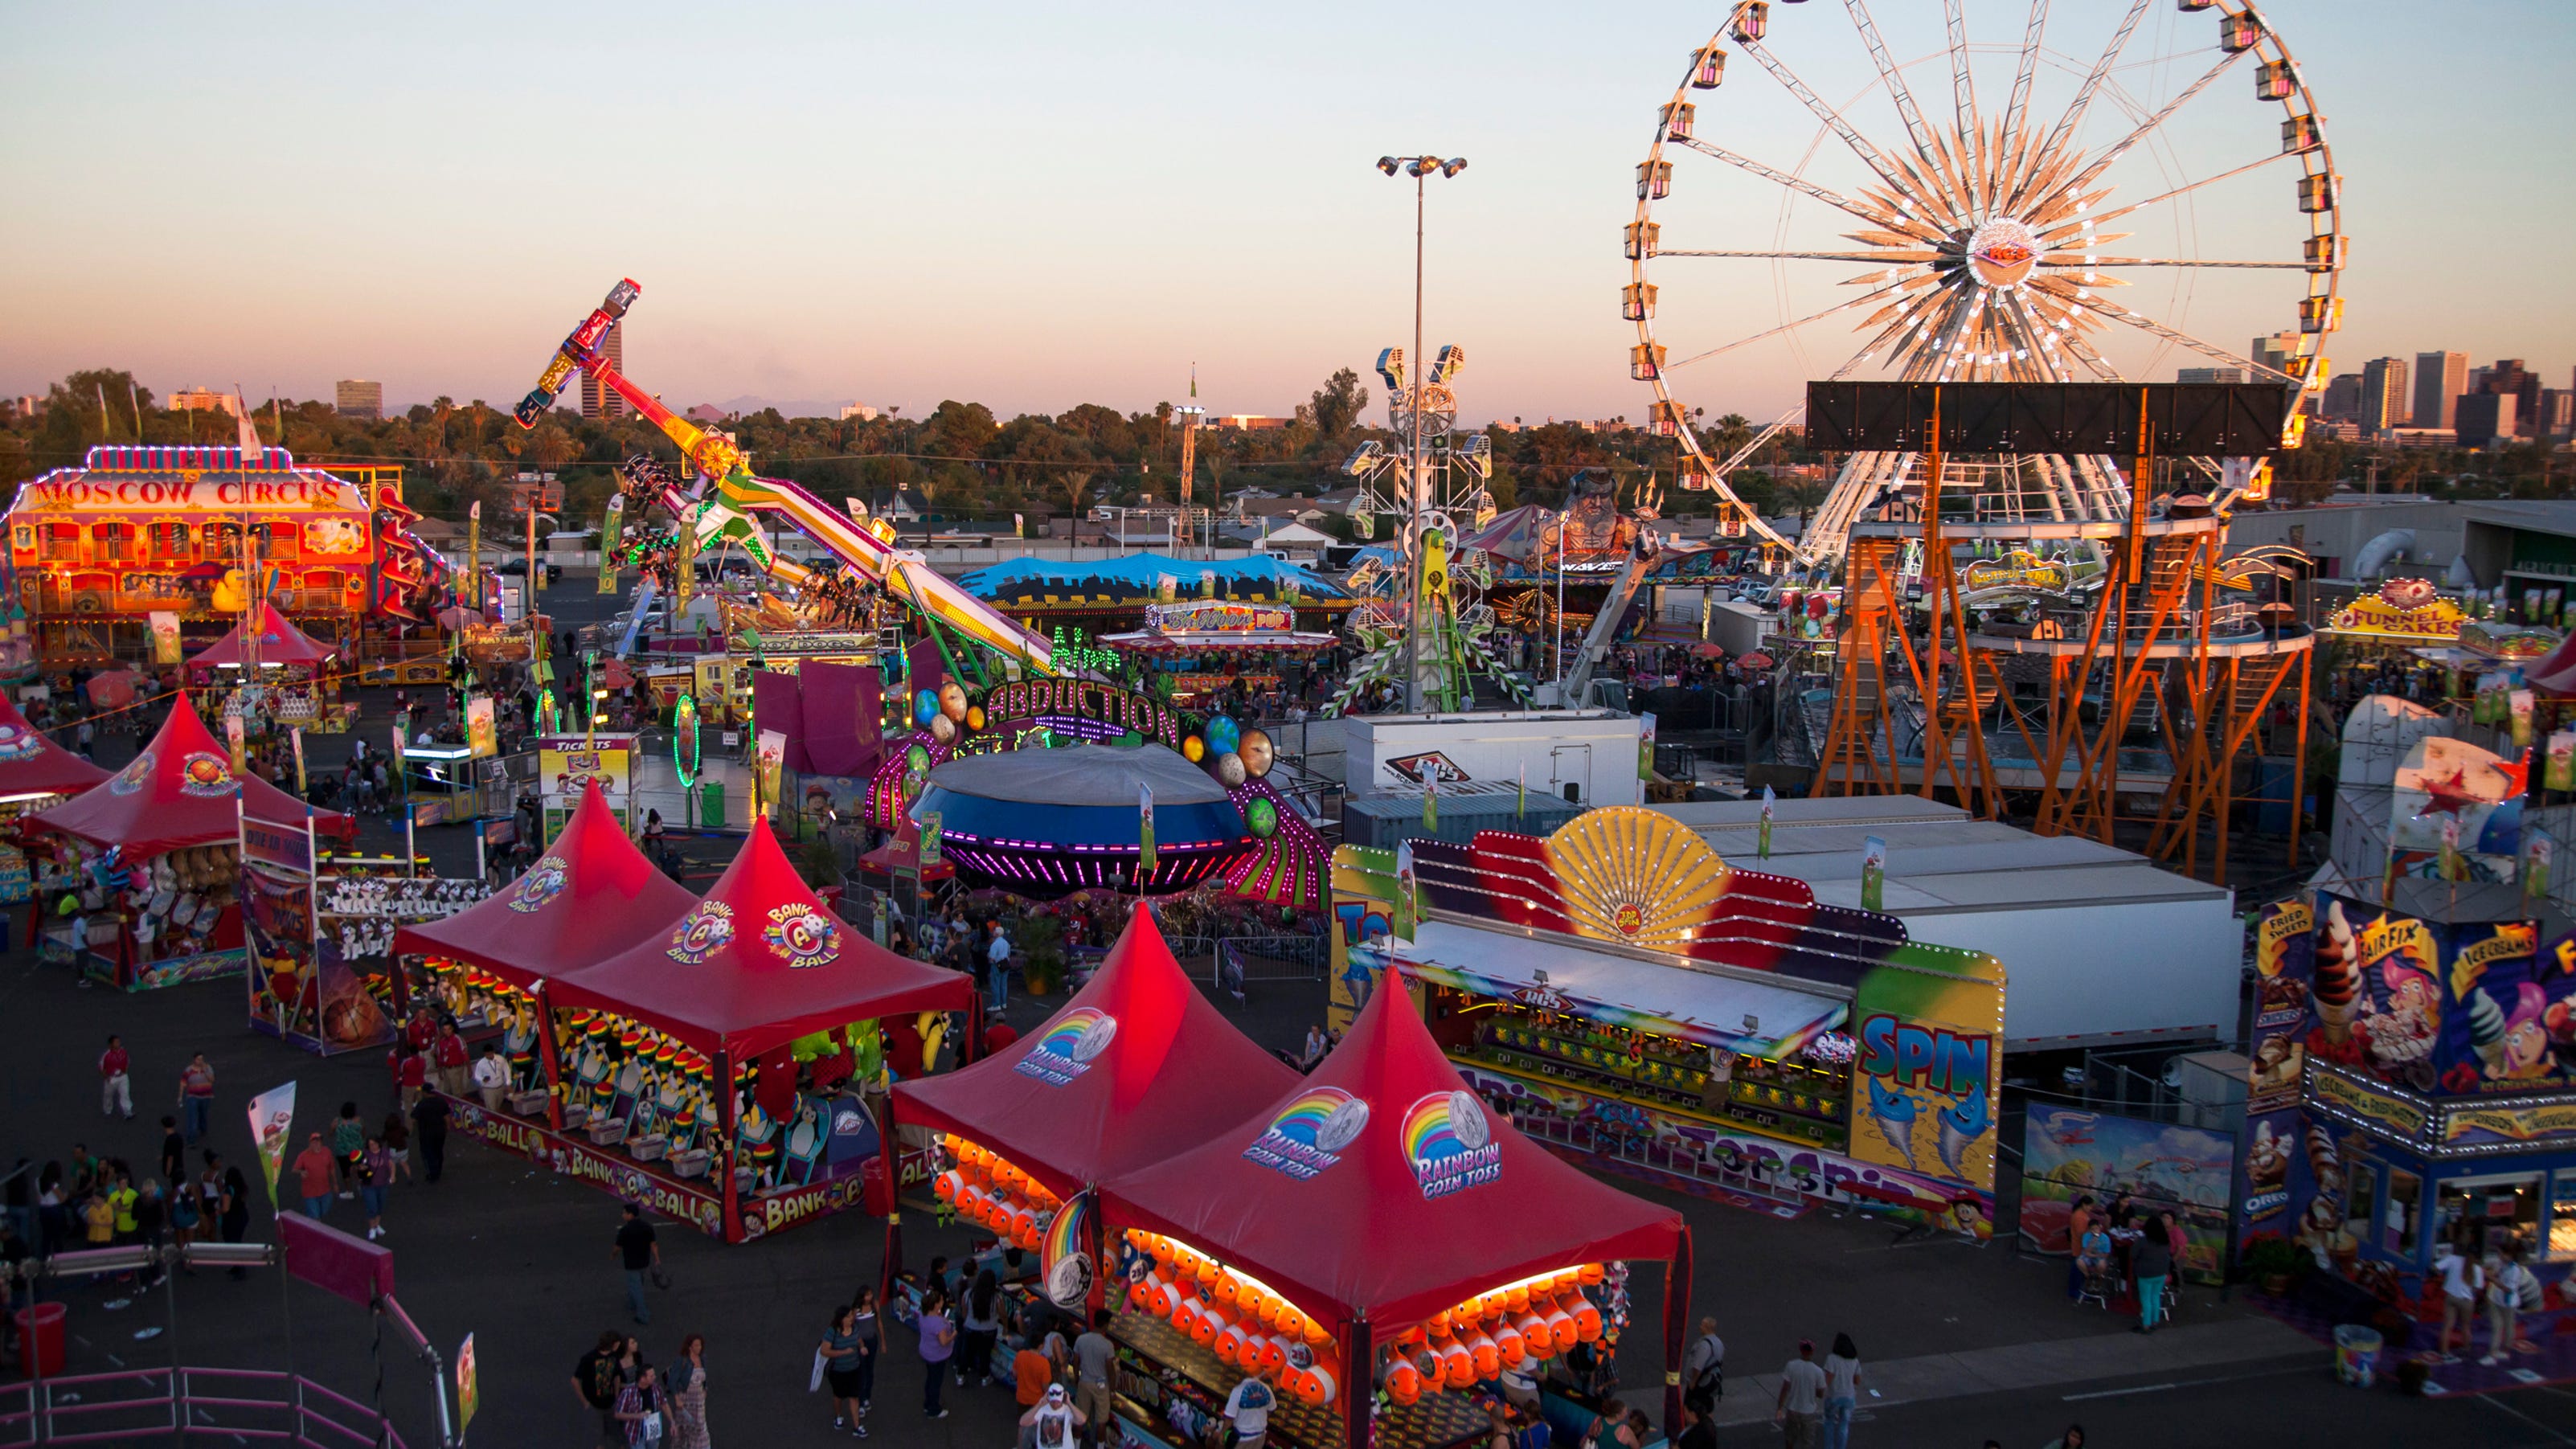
point(2505, 1283)
point(1842, 1391)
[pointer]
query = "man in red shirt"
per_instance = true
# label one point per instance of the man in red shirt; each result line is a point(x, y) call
point(115, 1088)
point(313, 1172)
point(412, 1071)
point(451, 1062)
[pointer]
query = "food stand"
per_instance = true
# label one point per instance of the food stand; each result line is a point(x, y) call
point(157, 850)
point(35, 773)
point(1381, 1243)
point(1639, 1004)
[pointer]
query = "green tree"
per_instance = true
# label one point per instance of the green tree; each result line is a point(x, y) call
point(960, 429)
point(1337, 405)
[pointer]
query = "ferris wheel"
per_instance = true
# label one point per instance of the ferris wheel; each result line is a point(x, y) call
point(1992, 239)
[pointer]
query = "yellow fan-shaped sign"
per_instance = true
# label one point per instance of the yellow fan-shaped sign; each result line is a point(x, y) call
point(1636, 877)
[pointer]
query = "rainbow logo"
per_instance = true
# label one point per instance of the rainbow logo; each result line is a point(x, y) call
point(19, 744)
point(136, 773)
point(1069, 1046)
point(1449, 1143)
point(1310, 1133)
point(1063, 1266)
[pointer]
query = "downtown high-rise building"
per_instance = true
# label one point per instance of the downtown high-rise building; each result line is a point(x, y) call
point(597, 399)
point(2385, 403)
point(2209, 374)
point(2440, 378)
point(357, 398)
point(2276, 350)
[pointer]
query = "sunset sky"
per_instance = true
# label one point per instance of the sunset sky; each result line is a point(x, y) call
point(1039, 205)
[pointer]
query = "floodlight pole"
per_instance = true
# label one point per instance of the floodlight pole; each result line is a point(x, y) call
point(1414, 479)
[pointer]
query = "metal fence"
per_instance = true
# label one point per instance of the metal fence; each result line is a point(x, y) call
point(239, 1405)
point(1239, 959)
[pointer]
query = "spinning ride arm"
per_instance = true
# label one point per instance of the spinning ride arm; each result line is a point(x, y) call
point(740, 495)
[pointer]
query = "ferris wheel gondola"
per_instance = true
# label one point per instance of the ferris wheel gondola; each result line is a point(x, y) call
point(1990, 243)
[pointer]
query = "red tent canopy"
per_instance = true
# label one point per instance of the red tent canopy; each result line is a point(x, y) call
point(590, 896)
point(1381, 1186)
point(176, 792)
point(2555, 671)
point(280, 642)
point(757, 964)
point(31, 764)
point(1172, 1073)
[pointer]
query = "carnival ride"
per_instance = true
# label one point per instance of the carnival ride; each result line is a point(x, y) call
point(995, 685)
point(2124, 659)
point(1985, 243)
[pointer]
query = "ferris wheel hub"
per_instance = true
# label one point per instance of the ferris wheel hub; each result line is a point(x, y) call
point(2003, 252)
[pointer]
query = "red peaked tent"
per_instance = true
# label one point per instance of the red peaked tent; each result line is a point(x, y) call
point(1424, 1199)
point(176, 792)
point(1174, 1074)
point(31, 764)
point(280, 642)
point(757, 964)
point(590, 896)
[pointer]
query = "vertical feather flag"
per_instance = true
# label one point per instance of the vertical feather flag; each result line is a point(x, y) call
point(1144, 832)
point(1430, 795)
point(1762, 839)
point(1520, 803)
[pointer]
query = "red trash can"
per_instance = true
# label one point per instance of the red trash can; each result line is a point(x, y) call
point(40, 1339)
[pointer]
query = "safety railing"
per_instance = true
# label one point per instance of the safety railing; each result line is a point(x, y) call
point(1238, 959)
point(230, 1405)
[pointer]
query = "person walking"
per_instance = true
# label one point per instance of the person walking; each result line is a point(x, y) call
point(2151, 1262)
point(1842, 1391)
point(638, 1254)
point(841, 1354)
point(2461, 1283)
point(197, 1096)
point(596, 1380)
point(235, 1221)
point(174, 1150)
point(1802, 1397)
point(429, 1124)
point(685, 1387)
point(1704, 1367)
point(348, 1144)
point(397, 1135)
point(639, 1409)
point(997, 970)
point(313, 1167)
point(115, 1087)
point(938, 1343)
point(375, 1174)
point(2507, 1281)
point(1092, 1355)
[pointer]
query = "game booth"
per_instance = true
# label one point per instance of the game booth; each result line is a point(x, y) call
point(154, 856)
point(1382, 1247)
point(35, 774)
point(708, 1063)
point(1634, 1002)
point(294, 681)
point(1136, 1066)
point(1207, 644)
point(320, 928)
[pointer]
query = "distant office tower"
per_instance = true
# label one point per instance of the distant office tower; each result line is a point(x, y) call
point(2276, 350)
point(598, 401)
point(860, 411)
point(360, 399)
point(2557, 415)
point(2480, 418)
point(204, 400)
point(2342, 402)
point(2440, 377)
point(2383, 393)
point(2209, 374)
point(2510, 378)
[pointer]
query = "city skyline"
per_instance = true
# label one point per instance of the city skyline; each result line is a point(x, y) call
point(1040, 210)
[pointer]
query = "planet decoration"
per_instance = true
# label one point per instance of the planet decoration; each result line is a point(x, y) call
point(974, 716)
point(1256, 752)
point(952, 701)
point(943, 729)
point(1229, 770)
point(916, 760)
point(1194, 749)
point(925, 707)
point(1262, 816)
point(1223, 735)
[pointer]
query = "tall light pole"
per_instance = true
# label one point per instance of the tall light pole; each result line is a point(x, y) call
point(1421, 169)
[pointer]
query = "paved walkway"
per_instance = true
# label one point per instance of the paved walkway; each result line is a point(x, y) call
point(1749, 1400)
